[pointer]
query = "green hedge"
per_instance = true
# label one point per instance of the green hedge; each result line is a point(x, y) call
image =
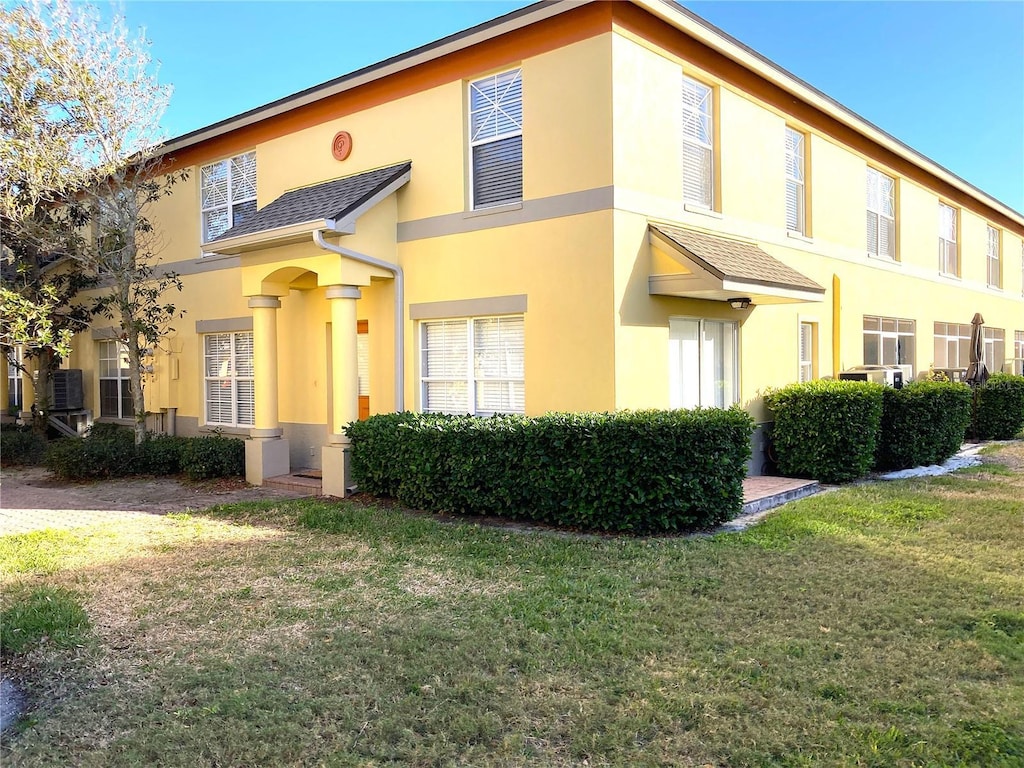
point(923, 423)
point(999, 414)
point(646, 471)
point(21, 446)
point(826, 430)
point(111, 452)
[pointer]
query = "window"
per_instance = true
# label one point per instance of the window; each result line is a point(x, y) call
point(808, 351)
point(995, 349)
point(881, 213)
point(496, 139)
point(1018, 352)
point(888, 341)
point(995, 267)
point(115, 385)
point(796, 192)
point(230, 392)
point(703, 363)
point(15, 393)
point(698, 144)
point(473, 365)
point(949, 257)
point(228, 191)
point(952, 345)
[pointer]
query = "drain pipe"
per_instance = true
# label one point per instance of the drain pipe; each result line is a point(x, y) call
point(318, 238)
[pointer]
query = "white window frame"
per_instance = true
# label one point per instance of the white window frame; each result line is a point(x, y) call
point(474, 370)
point(899, 335)
point(236, 192)
point(15, 385)
point(994, 342)
point(115, 350)
point(808, 350)
point(949, 249)
point(796, 180)
point(953, 336)
point(698, 137)
point(993, 260)
point(881, 209)
point(229, 378)
point(708, 389)
point(1018, 352)
point(479, 137)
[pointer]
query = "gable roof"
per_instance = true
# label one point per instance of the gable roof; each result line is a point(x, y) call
point(333, 200)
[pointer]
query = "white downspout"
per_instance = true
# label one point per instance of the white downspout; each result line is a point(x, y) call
point(318, 238)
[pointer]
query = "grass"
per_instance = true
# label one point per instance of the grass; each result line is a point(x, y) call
point(877, 625)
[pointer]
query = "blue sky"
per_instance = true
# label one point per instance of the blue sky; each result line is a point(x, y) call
point(947, 78)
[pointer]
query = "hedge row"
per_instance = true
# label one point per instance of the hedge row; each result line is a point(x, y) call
point(836, 431)
point(111, 452)
point(21, 445)
point(646, 471)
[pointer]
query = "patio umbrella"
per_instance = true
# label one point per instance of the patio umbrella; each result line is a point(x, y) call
point(977, 373)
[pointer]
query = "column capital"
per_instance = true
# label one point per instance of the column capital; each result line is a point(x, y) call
point(343, 292)
point(264, 302)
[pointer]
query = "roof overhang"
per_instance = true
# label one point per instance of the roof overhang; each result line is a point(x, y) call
point(699, 278)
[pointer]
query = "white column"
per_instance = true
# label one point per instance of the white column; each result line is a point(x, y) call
point(266, 451)
point(346, 386)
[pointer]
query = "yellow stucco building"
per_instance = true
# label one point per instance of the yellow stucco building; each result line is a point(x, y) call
point(577, 206)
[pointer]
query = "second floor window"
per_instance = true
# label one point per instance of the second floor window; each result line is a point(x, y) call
point(698, 144)
point(881, 214)
point(949, 256)
point(796, 195)
point(496, 139)
point(228, 194)
point(995, 267)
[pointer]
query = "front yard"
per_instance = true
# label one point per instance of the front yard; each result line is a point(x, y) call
point(878, 625)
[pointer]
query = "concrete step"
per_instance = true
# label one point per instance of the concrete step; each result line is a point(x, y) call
point(306, 481)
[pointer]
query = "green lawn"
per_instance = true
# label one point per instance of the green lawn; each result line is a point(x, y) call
point(879, 625)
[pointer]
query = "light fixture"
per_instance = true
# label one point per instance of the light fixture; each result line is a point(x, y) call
point(740, 302)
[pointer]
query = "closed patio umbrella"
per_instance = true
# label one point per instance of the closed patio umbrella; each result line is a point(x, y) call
point(977, 373)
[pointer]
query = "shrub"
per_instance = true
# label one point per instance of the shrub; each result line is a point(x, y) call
point(647, 471)
point(107, 453)
point(213, 456)
point(21, 445)
point(161, 454)
point(999, 412)
point(923, 423)
point(50, 613)
point(826, 430)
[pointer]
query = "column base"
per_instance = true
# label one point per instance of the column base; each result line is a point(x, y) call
point(265, 458)
point(336, 477)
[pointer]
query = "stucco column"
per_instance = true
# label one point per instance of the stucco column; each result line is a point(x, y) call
point(266, 452)
point(346, 386)
point(28, 389)
point(5, 387)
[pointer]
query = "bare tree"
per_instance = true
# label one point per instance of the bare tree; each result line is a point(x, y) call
point(80, 109)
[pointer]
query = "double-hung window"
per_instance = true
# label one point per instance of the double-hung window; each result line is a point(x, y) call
point(796, 187)
point(115, 383)
point(1018, 352)
point(808, 351)
point(698, 144)
point(228, 194)
point(995, 348)
point(889, 341)
point(228, 379)
point(496, 139)
point(952, 345)
point(994, 259)
point(949, 255)
point(881, 214)
point(703, 362)
point(473, 365)
point(15, 393)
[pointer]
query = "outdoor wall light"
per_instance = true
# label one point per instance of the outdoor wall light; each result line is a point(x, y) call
point(740, 302)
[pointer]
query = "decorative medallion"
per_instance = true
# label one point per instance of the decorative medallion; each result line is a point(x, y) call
point(341, 147)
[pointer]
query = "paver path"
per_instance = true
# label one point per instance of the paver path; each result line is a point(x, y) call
point(32, 499)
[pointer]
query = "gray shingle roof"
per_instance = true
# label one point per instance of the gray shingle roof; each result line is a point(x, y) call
point(734, 260)
point(330, 200)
